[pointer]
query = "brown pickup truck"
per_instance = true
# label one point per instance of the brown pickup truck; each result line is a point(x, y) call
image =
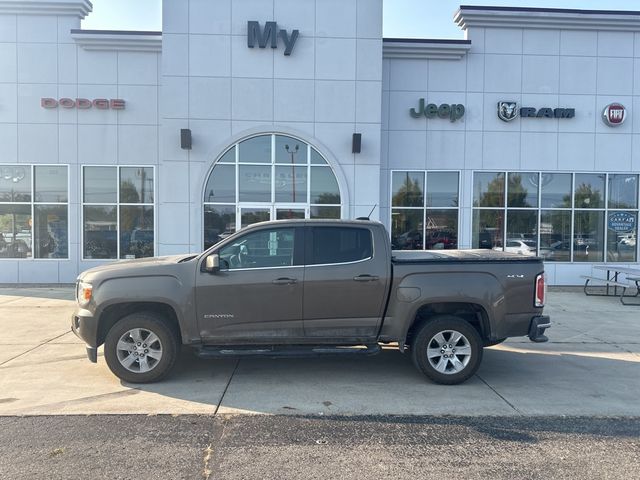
point(310, 287)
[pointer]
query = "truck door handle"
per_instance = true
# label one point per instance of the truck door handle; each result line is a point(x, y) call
point(285, 281)
point(366, 278)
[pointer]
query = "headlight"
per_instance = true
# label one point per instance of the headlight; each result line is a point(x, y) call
point(83, 293)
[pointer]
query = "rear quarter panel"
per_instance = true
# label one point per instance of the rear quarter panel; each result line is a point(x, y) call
point(504, 290)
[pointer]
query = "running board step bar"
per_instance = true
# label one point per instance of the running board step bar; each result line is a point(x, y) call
point(283, 351)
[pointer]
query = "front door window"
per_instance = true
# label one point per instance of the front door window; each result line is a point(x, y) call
point(262, 249)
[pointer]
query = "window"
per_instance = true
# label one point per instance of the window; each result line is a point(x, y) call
point(563, 217)
point(424, 210)
point(34, 211)
point(339, 245)
point(267, 177)
point(261, 249)
point(118, 212)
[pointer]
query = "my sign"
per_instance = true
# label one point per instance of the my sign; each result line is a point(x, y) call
point(270, 36)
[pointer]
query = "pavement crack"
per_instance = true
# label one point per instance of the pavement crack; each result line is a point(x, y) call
point(499, 395)
point(206, 471)
point(226, 387)
point(32, 349)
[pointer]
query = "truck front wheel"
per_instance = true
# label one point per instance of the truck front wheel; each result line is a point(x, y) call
point(447, 349)
point(140, 348)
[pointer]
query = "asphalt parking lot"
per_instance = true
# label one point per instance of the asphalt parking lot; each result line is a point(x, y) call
point(590, 367)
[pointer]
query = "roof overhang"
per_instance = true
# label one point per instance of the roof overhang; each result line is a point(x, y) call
point(425, 48)
point(76, 8)
point(545, 18)
point(117, 40)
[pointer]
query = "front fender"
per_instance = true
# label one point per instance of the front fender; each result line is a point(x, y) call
point(163, 289)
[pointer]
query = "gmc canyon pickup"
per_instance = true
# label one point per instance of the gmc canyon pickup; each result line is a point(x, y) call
point(310, 287)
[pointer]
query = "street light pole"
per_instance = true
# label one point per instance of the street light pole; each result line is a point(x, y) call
point(293, 152)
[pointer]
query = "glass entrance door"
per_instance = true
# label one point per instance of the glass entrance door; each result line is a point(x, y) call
point(259, 213)
point(286, 213)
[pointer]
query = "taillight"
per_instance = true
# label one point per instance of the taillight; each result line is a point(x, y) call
point(541, 290)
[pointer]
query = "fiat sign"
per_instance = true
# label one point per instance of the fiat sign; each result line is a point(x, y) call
point(614, 114)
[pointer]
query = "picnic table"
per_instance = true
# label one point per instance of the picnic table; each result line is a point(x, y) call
point(613, 282)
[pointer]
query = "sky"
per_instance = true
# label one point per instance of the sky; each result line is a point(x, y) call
point(401, 18)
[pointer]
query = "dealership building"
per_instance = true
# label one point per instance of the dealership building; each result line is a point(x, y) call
point(124, 144)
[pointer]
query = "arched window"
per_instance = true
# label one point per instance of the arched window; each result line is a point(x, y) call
point(267, 177)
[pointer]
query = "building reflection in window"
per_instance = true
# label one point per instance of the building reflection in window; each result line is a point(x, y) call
point(34, 211)
point(583, 217)
point(424, 210)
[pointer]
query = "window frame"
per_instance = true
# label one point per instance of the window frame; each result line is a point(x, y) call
point(424, 207)
point(309, 243)
point(573, 209)
point(117, 206)
point(272, 204)
point(33, 203)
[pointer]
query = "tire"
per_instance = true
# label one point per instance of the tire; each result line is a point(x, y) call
point(436, 335)
point(126, 342)
point(494, 343)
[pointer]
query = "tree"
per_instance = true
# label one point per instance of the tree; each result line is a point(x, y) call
point(409, 194)
point(494, 194)
point(586, 197)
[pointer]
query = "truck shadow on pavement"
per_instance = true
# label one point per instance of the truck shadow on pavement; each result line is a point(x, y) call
point(514, 380)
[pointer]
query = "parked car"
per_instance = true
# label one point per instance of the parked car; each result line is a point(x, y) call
point(520, 246)
point(441, 239)
point(310, 287)
point(410, 240)
point(556, 251)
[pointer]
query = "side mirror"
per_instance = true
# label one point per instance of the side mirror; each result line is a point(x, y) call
point(212, 263)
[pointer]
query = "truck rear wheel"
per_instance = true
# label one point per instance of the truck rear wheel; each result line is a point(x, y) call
point(140, 348)
point(447, 349)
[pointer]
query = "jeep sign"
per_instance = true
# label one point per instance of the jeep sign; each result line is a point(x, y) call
point(453, 112)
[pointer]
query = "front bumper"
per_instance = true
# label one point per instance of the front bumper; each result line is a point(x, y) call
point(85, 326)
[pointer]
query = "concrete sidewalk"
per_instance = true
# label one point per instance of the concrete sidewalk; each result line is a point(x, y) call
point(591, 366)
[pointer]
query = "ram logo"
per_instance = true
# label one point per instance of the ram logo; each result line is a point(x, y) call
point(507, 111)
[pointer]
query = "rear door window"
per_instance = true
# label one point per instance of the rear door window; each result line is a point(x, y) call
point(327, 245)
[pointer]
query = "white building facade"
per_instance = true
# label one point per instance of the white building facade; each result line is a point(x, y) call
point(119, 145)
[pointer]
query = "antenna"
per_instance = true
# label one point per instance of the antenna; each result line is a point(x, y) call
point(374, 207)
point(368, 217)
